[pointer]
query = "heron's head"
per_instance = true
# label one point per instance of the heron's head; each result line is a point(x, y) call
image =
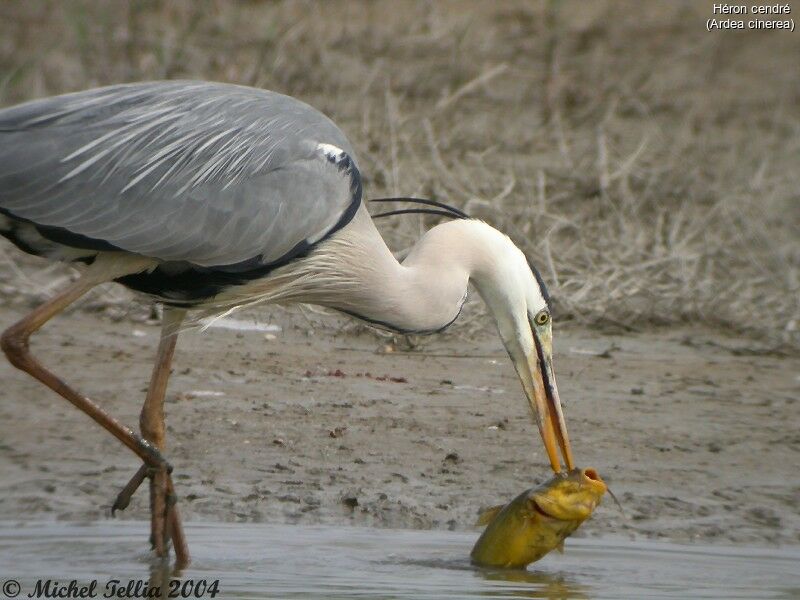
point(515, 295)
point(518, 300)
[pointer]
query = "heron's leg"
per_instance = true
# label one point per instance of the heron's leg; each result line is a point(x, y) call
point(165, 519)
point(15, 344)
point(174, 527)
point(151, 421)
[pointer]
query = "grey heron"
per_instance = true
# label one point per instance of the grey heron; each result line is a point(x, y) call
point(208, 197)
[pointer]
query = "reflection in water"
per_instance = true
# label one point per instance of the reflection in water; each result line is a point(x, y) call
point(287, 562)
point(160, 574)
point(540, 584)
point(552, 586)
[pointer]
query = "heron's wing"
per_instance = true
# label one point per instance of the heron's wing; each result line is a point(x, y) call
point(212, 174)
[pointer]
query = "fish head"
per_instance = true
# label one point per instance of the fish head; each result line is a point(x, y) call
point(570, 496)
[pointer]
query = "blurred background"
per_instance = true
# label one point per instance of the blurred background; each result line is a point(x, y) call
point(650, 167)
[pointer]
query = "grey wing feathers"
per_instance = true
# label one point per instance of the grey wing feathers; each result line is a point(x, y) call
point(212, 174)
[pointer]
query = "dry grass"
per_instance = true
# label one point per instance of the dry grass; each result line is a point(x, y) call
point(651, 167)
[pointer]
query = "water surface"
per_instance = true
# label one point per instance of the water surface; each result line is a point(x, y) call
point(271, 561)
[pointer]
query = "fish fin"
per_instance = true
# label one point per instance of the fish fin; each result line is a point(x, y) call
point(486, 516)
point(560, 547)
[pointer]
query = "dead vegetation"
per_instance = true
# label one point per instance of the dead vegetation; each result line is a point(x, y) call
point(650, 167)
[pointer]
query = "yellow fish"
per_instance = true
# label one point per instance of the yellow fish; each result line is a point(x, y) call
point(538, 520)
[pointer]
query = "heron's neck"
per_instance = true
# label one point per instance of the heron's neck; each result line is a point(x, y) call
point(424, 293)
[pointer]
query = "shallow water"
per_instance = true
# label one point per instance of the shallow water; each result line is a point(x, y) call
point(268, 561)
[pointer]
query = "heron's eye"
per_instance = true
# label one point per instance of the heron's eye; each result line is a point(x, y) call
point(542, 317)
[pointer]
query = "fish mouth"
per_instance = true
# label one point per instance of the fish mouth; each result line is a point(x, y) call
point(591, 474)
point(570, 496)
point(592, 479)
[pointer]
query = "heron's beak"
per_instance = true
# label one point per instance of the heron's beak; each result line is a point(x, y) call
point(538, 380)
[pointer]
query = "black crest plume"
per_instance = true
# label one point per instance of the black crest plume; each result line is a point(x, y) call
point(441, 209)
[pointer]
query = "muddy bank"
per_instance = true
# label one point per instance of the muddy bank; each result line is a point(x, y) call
point(279, 425)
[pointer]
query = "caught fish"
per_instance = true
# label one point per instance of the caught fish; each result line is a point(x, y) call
point(538, 520)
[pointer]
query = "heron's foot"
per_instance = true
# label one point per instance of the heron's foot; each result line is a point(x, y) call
point(153, 461)
point(125, 495)
point(165, 521)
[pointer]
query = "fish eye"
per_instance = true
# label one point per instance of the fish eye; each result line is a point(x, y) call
point(542, 317)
